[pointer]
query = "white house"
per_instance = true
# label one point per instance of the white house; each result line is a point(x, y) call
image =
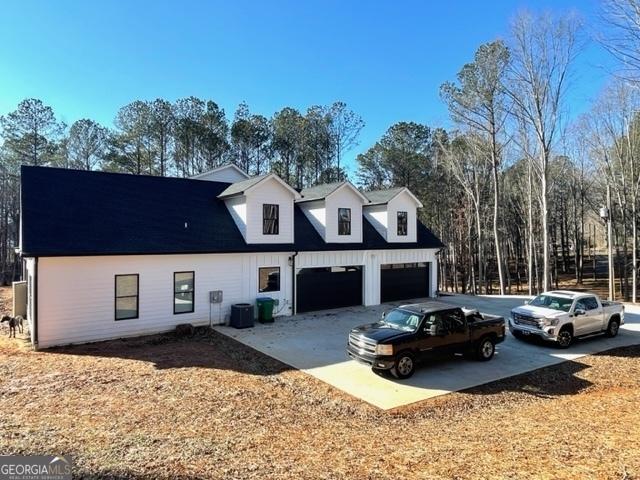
point(111, 255)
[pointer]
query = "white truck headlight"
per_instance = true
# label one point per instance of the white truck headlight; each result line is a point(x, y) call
point(549, 322)
point(384, 349)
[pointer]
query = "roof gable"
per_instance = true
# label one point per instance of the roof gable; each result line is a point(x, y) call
point(226, 173)
point(322, 191)
point(378, 197)
point(245, 186)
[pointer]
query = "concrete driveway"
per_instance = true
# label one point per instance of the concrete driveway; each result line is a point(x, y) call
point(315, 343)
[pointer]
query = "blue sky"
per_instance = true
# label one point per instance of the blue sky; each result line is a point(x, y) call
point(385, 59)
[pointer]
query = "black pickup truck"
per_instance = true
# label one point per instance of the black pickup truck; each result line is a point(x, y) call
point(412, 333)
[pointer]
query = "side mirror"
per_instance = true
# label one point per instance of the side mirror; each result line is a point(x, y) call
point(384, 314)
point(526, 302)
point(579, 311)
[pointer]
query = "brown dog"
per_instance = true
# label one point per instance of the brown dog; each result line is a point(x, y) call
point(13, 323)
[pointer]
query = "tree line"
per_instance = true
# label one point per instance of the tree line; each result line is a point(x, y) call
point(513, 185)
point(181, 138)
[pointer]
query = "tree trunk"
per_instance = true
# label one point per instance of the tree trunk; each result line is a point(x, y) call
point(481, 269)
point(530, 216)
point(496, 235)
point(545, 228)
point(634, 253)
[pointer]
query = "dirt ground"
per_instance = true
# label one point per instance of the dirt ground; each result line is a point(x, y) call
point(5, 300)
point(208, 407)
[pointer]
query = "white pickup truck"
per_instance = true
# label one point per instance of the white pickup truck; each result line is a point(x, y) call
point(562, 315)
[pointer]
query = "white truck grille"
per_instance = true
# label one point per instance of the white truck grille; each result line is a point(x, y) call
point(520, 319)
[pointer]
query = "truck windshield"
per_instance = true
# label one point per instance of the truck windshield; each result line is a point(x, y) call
point(402, 320)
point(555, 303)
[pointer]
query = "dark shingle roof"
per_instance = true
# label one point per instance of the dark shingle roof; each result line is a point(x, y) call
point(319, 191)
point(240, 187)
point(73, 212)
point(383, 196)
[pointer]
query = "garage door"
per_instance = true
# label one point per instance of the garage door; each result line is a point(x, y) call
point(330, 287)
point(403, 281)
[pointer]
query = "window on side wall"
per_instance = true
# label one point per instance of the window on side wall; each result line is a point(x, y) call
point(344, 221)
point(269, 279)
point(183, 290)
point(127, 295)
point(402, 224)
point(270, 219)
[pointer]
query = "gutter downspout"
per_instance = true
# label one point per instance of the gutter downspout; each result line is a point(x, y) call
point(437, 267)
point(293, 283)
point(35, 304)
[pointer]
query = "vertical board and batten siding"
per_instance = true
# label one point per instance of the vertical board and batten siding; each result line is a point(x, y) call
point(269, 192)
point(371, 260)
point(344, 197)
point(76, 297)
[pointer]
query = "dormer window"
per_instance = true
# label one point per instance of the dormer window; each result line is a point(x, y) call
point(402, 224)
point(344, 221)
point(270, 219)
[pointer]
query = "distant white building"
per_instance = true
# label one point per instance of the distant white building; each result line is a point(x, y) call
point(112, 255)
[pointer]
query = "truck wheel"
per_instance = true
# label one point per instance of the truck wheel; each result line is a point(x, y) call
point(404, 367)
point(613, 327)
point(485, 350)
point(565, 338)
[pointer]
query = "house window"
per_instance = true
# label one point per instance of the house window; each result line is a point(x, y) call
point(344, 221)
point(402, 223)
point(270, 223)
point(127, 296)
point(269, 279)
point(183, 288)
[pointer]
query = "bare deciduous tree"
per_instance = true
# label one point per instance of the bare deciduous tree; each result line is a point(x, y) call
point(543, 50)
point(479, 102)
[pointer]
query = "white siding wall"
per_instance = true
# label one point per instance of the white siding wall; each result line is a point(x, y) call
point(30, 277)
point(316, 213)
point(402, 203)
point(343, 198)
point(371, 261)
point(270, 191)
point(76, 294)
point(384, 218)
point(377, 216)
point(237, 207)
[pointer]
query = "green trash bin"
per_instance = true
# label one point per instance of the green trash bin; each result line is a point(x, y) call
point(265, 309)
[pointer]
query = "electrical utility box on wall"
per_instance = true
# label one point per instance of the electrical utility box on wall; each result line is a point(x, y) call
point(215, 296)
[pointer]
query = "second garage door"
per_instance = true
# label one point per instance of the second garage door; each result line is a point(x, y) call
point(328, 287)
point(403, 281)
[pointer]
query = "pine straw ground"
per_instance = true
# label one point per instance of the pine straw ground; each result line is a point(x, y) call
point(206, 406)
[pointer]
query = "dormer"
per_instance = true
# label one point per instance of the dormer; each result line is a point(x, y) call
point(335, 210)
point(228, 173)
point(262, 208)
point(393, 213)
